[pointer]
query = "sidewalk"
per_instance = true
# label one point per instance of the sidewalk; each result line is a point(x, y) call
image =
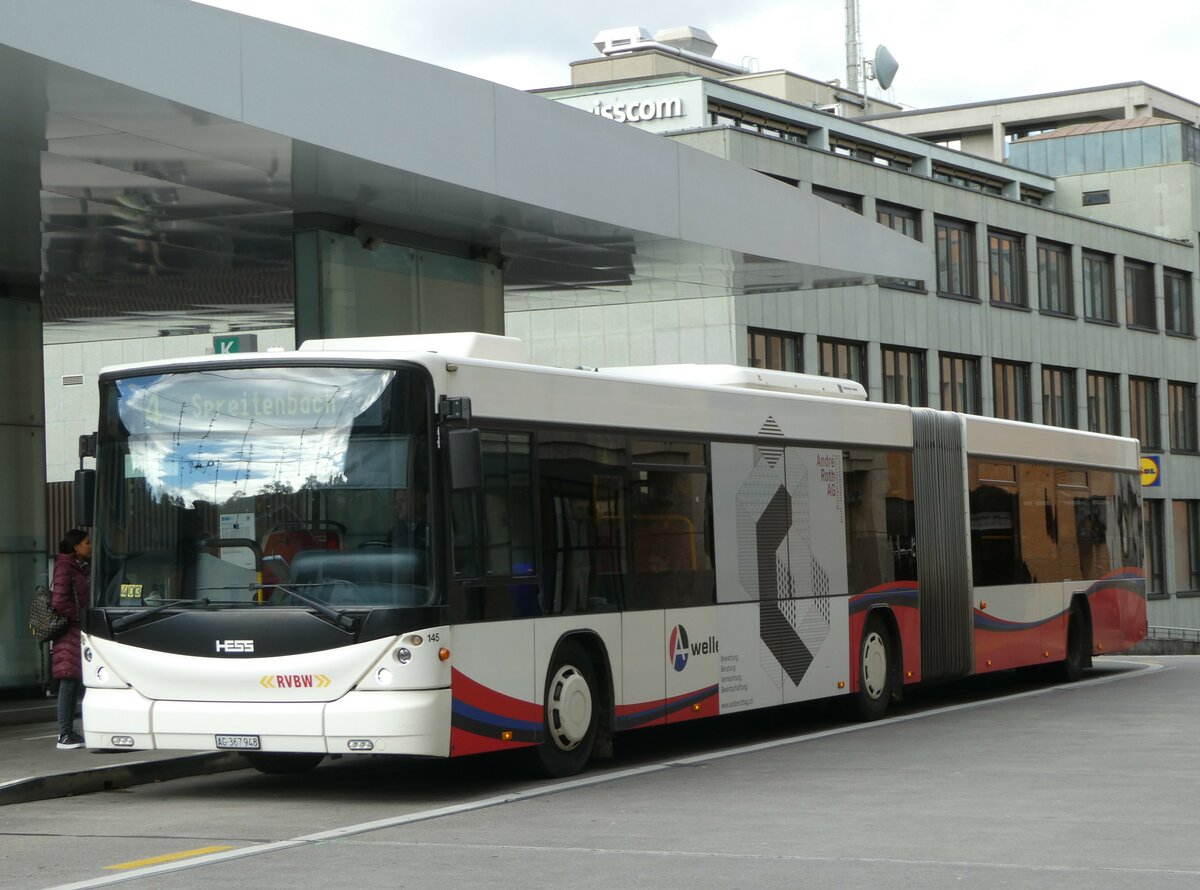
point(32, 768)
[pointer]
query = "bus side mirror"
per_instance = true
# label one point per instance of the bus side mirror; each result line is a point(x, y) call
point(85, 498)
point(466, 459)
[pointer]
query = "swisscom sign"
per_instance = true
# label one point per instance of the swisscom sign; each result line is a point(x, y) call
point(669, 107)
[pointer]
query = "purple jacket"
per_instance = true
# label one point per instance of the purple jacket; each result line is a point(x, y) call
point(72, 593)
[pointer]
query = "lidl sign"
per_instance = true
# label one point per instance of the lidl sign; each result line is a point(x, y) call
point(1151, 471)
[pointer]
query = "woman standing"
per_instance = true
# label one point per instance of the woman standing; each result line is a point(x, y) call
point(72, 593)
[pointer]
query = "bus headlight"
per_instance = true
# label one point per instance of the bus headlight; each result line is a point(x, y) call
point(404, 656)
point(383, 677)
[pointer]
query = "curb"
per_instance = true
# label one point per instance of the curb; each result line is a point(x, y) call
point(107, 778)
point(31, 713)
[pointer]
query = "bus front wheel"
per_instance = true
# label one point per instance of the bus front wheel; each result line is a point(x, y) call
point(875, 670)
point(571, 712)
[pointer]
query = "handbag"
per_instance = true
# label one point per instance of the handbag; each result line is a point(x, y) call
point(44, 622)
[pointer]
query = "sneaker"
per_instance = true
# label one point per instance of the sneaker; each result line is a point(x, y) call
point(70, 740)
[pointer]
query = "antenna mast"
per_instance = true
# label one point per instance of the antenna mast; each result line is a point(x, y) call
point(854, 61)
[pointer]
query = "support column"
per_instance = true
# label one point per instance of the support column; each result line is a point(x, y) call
point(23, 544)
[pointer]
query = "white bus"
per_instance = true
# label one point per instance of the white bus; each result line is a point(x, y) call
point(420, 546)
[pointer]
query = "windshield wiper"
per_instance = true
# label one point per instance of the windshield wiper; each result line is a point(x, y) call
point(138, 617)
point(330, 614)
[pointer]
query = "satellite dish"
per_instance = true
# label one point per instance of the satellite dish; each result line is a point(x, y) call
point(885, 66)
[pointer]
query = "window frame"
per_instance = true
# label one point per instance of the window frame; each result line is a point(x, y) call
point(893, 383)
point(967, 382)
point(1144, 422)
point(1006, 260)
point(852, 349)
point(785, 339)
point(1181, 416)
point(1155, 557)
point(954, 251)
point(1061, 279)
point(1011, 385)
point(1111, 402)
point(1141, 313)
point(846, 200)
point(1177, 303)
point(1099, 269)
point(1186, 543)
point(1060, 403)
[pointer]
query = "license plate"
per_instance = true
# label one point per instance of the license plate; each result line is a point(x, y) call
point(238, 742)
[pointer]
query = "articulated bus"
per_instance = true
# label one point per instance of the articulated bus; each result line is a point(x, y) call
point(422, 546)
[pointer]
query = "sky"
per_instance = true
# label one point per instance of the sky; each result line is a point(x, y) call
point(950, 51)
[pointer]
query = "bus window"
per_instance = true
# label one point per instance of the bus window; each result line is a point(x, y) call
point(880, 518)
point(581, 483)
point(995, 525)
point(672, 557)
point(1038, 522)
point(507, 504)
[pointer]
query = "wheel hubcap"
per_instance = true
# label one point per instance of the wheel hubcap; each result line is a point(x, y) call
point(569, 707)
point(874, 665)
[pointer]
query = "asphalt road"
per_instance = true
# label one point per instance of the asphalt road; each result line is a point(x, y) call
point(1000, 783)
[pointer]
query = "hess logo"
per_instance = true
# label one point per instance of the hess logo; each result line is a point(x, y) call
point(232, 646)
point(678, 647)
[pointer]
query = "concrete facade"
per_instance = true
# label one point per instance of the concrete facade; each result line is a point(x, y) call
point(1150, 219)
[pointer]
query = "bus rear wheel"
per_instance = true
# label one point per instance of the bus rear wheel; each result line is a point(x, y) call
point(1071, 667)
point(278, 764)
point(571, 712)
point(875, 670)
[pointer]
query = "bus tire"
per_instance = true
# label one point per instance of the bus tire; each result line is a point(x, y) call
point(1071, 668)
point(571, 714)
point(876, 670)
point(279, 764)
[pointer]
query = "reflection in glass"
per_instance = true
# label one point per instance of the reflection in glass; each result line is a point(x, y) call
point(248, 485)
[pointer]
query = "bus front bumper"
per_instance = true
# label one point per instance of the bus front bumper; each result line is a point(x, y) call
point(413, 722)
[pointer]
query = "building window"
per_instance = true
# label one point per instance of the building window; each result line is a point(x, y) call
point(1103, 403)
point(1178, 287)
point(1139, 296)
point(775, 350)
point(1152, 532)
point(903, 376)
point(842, 199)
point(1090, 199)
point(1185, 532)
point(960, 383)
point(1058, 396)
point(1099, 303)
point(955, 257)
point(844, 358)
point(1181, 405)
point(1054, 278)
point(1010, 383)
point(1006, 268)
point(906, 221)
point(1143, 412)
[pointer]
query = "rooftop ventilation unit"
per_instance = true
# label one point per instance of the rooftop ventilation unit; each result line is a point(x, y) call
point(687, 42)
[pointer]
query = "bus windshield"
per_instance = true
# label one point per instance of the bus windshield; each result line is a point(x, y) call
point(268, 486)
